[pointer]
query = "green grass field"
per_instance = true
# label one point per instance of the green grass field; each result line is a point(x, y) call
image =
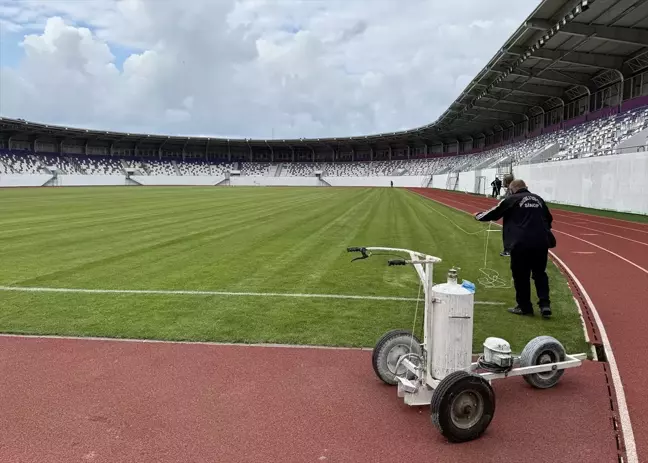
point(279, 240)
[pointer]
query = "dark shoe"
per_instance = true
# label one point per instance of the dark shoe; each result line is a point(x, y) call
point(518, 311)
point(545, 311)
point(505, 254)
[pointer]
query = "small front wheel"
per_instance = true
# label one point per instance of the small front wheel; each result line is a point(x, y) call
point(462, 406)
point(542, 350)
point(389, 349)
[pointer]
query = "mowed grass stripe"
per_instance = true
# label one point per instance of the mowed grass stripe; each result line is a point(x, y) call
point(273, 240)
point(180, 233)
point(117, 216)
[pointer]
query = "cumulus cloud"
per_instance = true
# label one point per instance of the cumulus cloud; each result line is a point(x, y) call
point(247, 68)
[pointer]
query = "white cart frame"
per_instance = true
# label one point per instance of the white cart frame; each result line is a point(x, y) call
point(419, 390)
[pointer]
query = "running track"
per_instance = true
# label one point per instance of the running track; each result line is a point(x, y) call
point(610, 258)
point(66, 401)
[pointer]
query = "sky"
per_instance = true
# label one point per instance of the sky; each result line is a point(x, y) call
point(245, 68)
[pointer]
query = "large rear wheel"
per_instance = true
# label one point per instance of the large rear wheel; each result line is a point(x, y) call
point(462, 406)
point(387, 352)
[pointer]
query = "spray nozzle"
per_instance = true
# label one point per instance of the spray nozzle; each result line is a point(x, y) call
point(452, 275)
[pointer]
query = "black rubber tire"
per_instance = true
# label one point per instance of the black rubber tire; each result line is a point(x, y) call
point(462, 385)
point(543, 349)
point(382, 340)
point(385, 344)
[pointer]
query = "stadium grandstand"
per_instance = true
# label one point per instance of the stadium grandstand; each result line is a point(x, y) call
point(570, 83)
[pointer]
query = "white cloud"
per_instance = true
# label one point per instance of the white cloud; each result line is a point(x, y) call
point(310, 68)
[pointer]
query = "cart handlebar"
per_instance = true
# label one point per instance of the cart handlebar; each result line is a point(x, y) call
point(355, 249)
point(363, 251)
point(415, 257)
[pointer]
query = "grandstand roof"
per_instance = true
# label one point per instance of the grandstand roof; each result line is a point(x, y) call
point(564, 50)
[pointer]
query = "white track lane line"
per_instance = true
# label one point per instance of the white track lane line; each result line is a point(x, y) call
point(624, 414)
point(555, 230)
point(600, 231)
point(161, 341)
point(560, 216)
point(604, 249)
point(25, 289)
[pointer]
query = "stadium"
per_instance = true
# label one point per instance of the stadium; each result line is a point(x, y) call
point(167, 308)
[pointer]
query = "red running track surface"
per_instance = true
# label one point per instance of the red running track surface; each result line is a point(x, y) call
point(610, 258)
point(69, 400)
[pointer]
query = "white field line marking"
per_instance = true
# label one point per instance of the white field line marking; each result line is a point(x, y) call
point(601, 231)
point(161, 341)
point(190, 343)
point(624, 414)
point(604, 249)
point(25, 289)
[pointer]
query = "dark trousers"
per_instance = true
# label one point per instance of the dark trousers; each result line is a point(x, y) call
point(494, 194)
point(525, 263)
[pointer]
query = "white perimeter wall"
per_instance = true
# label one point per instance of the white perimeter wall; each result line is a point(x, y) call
point(90, 180)
point(440, 181)
point(399, 181)
point(467, 182)
point(176, 180)
point(618, 182)
point(16, 180)
point(273, 181)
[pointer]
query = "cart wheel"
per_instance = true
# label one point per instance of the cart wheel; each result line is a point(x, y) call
point(389, 348)
point(540, 350)
point(462, 406)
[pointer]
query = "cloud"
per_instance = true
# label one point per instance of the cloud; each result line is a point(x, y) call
point(248, 68)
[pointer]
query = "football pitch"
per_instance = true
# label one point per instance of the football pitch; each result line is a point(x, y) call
point(251, 265)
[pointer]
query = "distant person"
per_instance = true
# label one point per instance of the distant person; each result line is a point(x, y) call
point(392, 183)
point(527, 222)
point(497, 187)
point(508, 178)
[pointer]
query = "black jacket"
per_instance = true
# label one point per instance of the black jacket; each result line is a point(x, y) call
point(527, 220)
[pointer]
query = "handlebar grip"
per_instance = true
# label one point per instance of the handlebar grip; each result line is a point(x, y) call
point(397, 262)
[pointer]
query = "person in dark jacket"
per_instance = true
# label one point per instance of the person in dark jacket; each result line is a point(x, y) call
point(527, 223)
point(508, 178)
point(497, 187)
